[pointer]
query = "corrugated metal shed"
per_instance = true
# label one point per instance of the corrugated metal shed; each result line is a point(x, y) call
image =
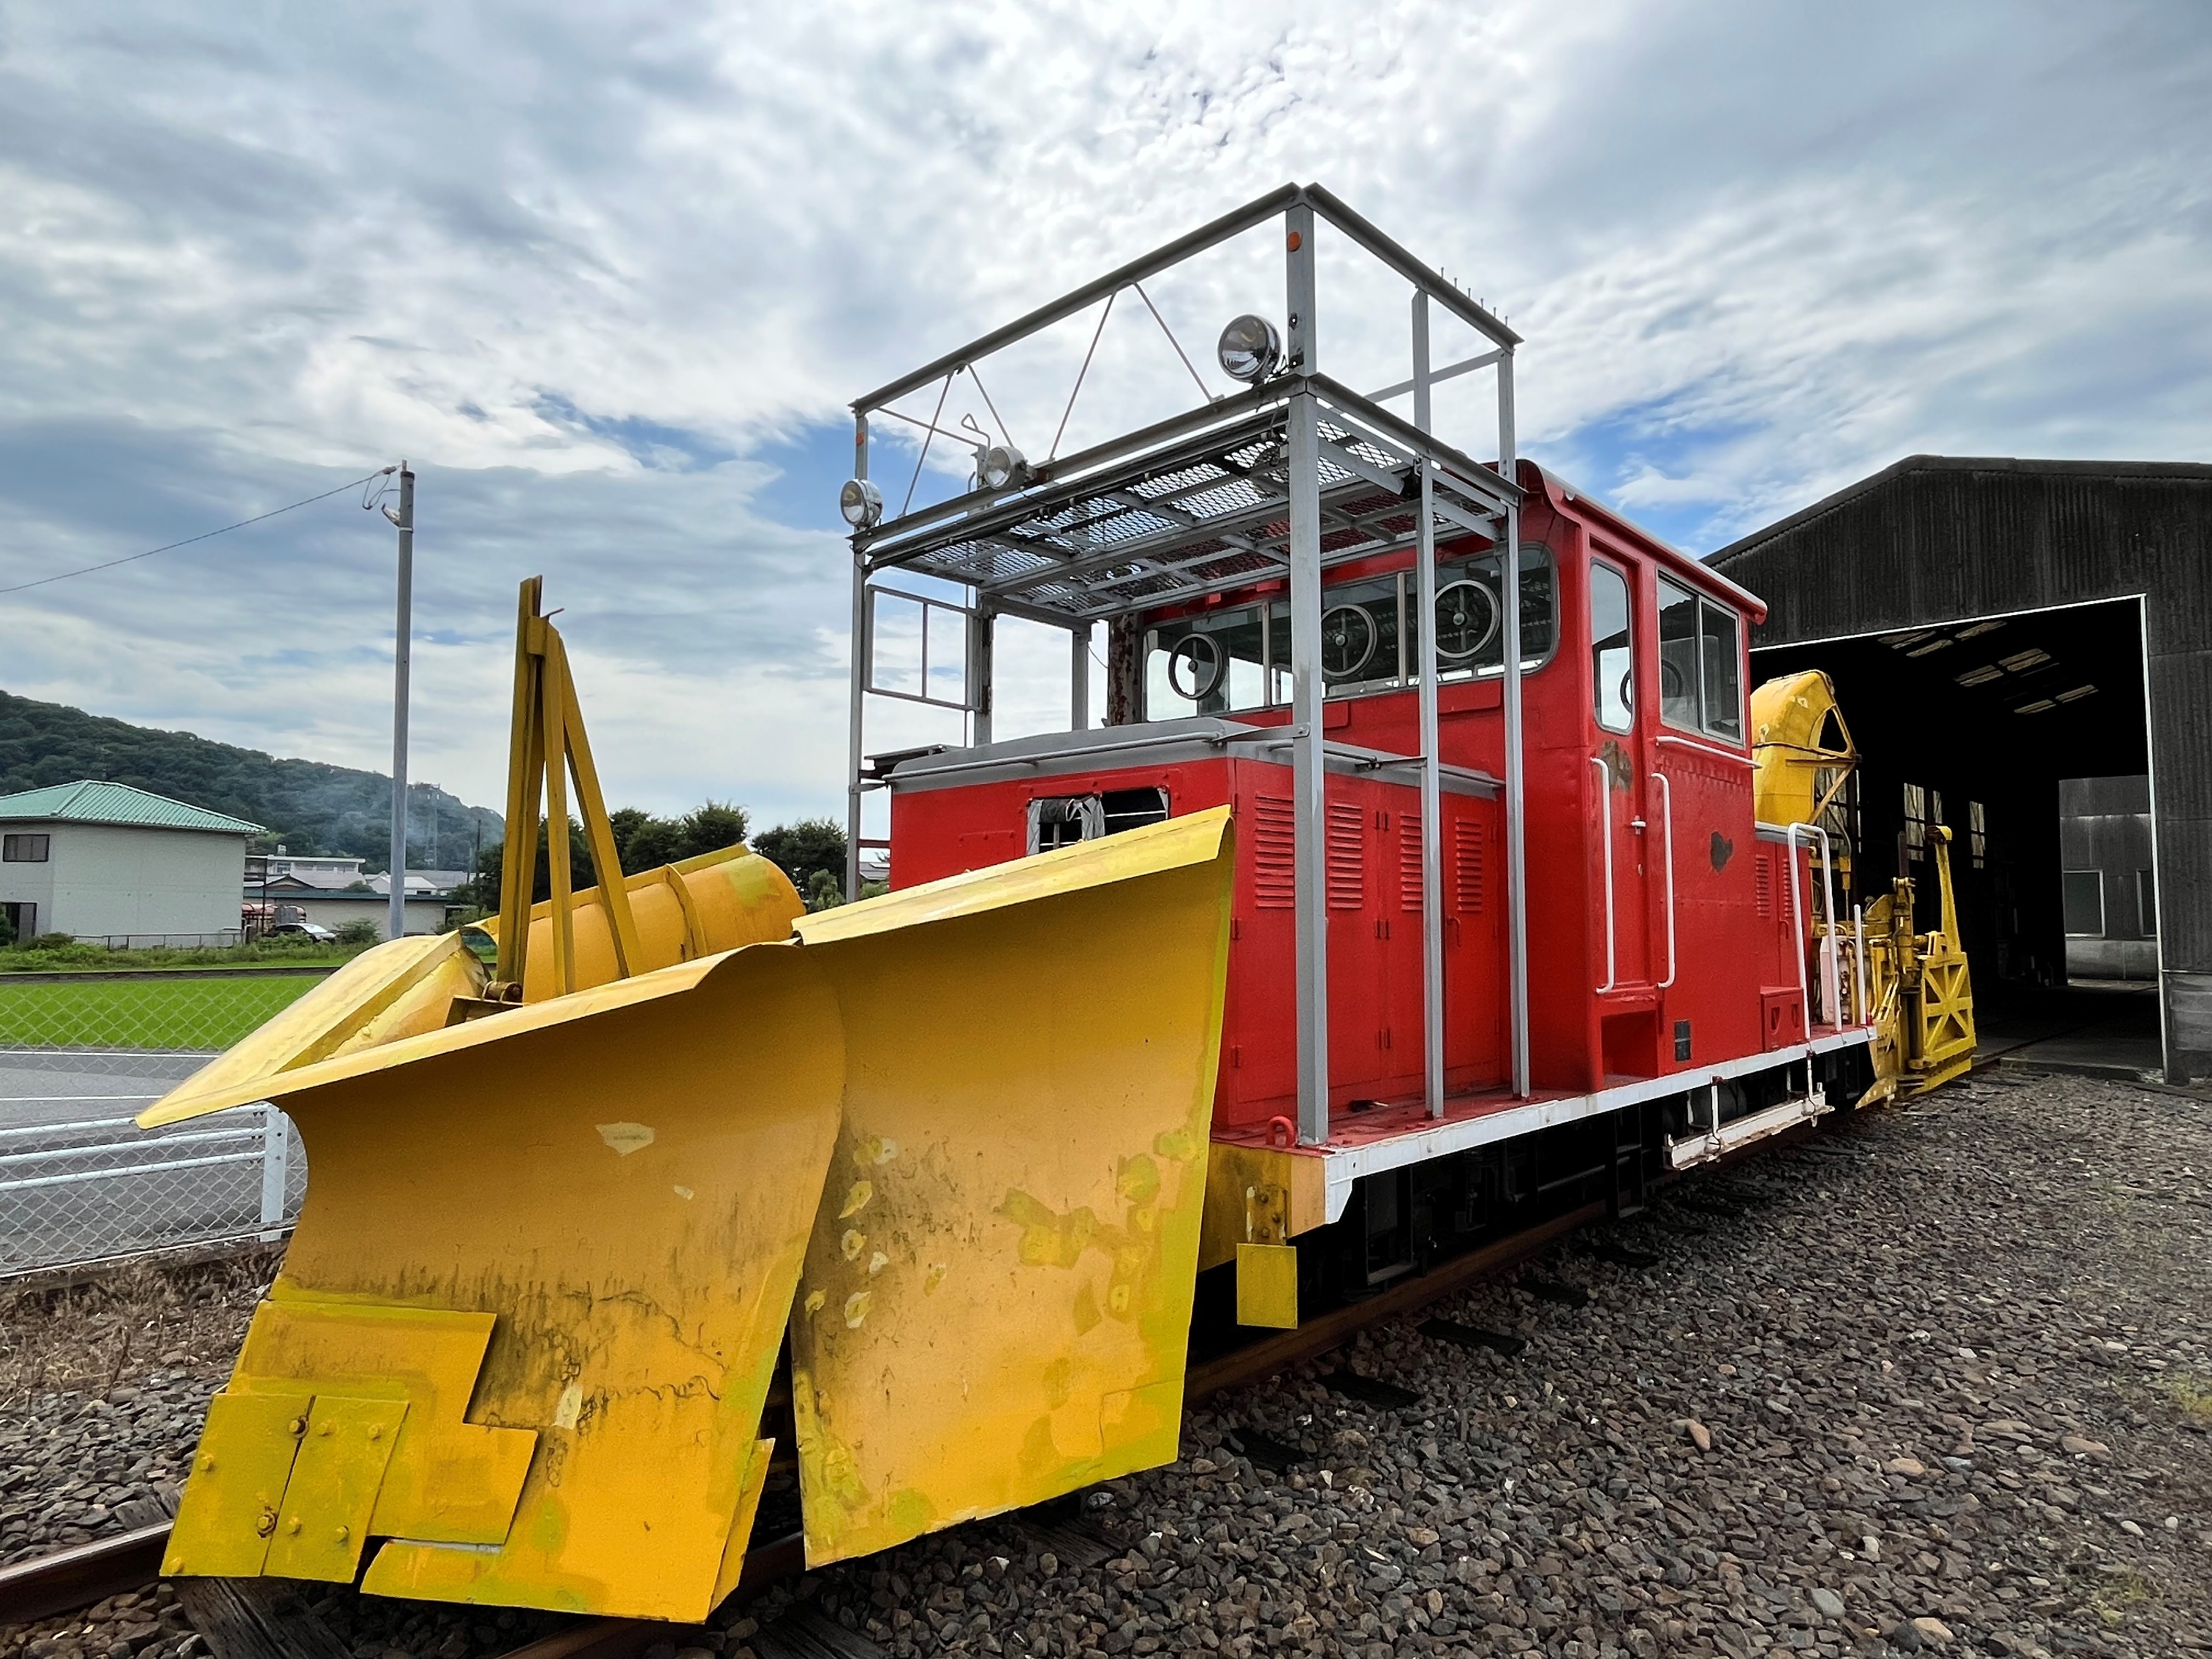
point(116, 804)
point(1934, 541)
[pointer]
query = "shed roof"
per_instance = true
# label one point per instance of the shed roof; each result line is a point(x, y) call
point(2185, 471)
point(117, 804)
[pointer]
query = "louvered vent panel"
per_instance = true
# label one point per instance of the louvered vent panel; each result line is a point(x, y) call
point(1347, 857)
point(1466, 867)
point(1763, 878)
point(1274, 841)
point(1409, 862)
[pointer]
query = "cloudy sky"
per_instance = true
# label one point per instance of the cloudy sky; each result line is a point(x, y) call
point(608, 275)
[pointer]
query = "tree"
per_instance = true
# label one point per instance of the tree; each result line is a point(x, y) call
point(806, 851)
point(360, 931)
point(710, 828)
point(641, 841)
point(304, 805)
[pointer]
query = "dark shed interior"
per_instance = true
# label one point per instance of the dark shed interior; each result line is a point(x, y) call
point(1993, 627)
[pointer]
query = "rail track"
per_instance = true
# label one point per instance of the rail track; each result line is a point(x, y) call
point(87, 1573)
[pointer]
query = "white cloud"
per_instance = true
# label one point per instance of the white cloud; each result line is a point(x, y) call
point(588, 264)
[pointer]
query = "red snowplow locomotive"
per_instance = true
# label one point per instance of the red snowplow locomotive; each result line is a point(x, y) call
point(1543, 956)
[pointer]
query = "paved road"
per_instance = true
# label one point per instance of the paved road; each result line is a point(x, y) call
point(66, 1125)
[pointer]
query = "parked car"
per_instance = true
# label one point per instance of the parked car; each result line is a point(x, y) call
point(314, 931)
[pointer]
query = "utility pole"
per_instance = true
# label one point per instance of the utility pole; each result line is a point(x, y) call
point(401, 648)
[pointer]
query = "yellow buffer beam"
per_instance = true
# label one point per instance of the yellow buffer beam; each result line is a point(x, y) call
point(996, 1303)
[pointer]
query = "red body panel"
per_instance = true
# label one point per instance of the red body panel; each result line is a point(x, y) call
point(1374, 922)
point(1738, 942)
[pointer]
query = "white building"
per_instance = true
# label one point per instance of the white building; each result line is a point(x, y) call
point(331, 891)
point(332, 870)
point(107, 861)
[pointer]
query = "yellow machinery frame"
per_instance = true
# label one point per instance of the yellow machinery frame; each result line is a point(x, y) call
point(1919, 990)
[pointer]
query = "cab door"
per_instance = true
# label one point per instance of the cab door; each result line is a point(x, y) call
point(1618, 786)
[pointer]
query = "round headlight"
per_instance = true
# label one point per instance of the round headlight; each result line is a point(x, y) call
point(861, 503)
point(1249, 349)
point(997, 465)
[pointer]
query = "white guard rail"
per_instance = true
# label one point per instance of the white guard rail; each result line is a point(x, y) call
point(88, 1189)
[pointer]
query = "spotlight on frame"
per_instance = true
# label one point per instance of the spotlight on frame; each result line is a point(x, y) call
point(1249, 349)
point(861, 503)
point(1000, 465)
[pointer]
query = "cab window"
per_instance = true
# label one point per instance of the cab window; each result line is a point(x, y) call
point(1209, 664)
point(1700, 664)
point(1221, 662)
point(1612, 661)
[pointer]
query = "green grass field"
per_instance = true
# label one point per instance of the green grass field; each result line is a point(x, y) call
point(139, 1014)
point(74, 956)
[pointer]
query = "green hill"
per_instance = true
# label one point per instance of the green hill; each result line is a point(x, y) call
point(308, 806)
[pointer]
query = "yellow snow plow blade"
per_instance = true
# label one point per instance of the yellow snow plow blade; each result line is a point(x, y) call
point(997, 1296)
point(954, 1138)
point(528, 1318)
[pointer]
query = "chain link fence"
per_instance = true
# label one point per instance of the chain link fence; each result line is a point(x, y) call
point(81, 1054)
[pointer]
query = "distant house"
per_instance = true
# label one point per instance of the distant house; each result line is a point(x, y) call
point(324, 870)
point(330, 891)
point(107, 861)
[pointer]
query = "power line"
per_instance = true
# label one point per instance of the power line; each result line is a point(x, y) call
point(204, 536)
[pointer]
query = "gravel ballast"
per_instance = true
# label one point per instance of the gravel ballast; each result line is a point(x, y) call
point(1939, 1384)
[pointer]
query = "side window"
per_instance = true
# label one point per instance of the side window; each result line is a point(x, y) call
point(1613, 662)
point(1700, 664)
point(1063, 820)
point(1205, 665)
point(25, 849)
point(1677, 655)
point(1721, 685)
point(2083, 898)
point(1468, 614)
point(1360, 646)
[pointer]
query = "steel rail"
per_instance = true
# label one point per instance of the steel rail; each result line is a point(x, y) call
point(83, 1574)
point(1315, 1337)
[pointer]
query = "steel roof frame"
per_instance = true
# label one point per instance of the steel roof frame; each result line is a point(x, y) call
point(1295, 462)
point(1065, 520)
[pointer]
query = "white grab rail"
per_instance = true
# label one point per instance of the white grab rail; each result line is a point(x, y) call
point(1605, 819)
point(1859, 978)
point(1831, 987)
point(1667, 827)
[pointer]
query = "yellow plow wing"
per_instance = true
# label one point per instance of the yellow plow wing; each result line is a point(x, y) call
point(954, 1139)
point(997, 1296)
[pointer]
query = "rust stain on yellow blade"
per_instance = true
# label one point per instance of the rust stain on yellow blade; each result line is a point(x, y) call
point(996, 1302)
point(623, 1179)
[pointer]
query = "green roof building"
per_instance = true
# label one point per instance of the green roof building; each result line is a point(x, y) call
point(107, 861)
